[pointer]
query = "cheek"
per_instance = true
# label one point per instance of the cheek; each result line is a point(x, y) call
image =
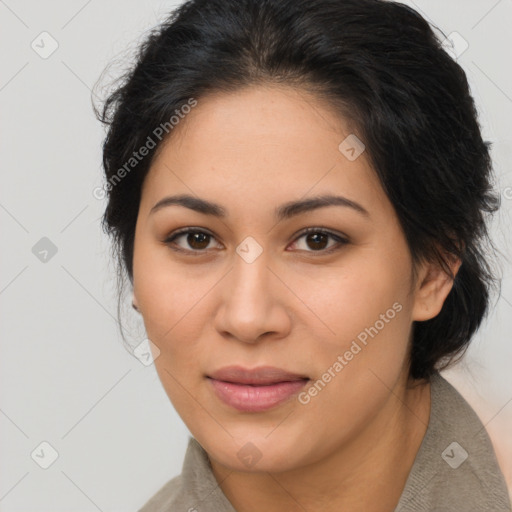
point(171, 304)
point(352, 297)
point(358, 365)
point(367, 311)
point(167, 293)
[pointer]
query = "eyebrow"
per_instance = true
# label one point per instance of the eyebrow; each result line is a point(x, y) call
point(285, 211)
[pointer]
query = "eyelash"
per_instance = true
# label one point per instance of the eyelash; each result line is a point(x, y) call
point(341, 241)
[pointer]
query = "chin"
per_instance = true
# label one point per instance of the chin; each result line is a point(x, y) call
point(257, 451)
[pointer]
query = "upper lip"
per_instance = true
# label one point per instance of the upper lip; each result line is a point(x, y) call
point(260, 375)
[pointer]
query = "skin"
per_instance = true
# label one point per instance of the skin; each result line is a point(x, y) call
point(295, 306)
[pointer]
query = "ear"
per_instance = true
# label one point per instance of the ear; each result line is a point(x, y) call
point(433, 286)
point(135, 305)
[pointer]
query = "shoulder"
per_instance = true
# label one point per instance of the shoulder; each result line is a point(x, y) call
point(456, 466)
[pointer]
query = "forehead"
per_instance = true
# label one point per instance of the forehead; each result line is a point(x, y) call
point(261, 115)
point(264, 145)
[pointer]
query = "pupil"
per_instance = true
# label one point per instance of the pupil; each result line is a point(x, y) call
point(315, 237)
point(193, 238)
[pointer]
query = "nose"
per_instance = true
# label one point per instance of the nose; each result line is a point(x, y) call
point(252, 302)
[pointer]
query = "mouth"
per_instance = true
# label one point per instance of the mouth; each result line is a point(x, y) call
point(263, 375)
point(255, 390)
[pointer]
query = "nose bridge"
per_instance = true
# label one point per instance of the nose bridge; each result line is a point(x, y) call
point(249, 280)
point(249, 306)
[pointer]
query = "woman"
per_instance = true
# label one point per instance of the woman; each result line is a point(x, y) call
point(298, 193)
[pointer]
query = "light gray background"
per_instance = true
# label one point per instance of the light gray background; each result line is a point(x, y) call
point(65, 376)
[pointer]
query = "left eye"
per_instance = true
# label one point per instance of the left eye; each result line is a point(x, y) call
point(317, 238)
point(199, 240)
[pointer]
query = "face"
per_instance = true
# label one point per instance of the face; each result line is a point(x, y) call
point(330, 310)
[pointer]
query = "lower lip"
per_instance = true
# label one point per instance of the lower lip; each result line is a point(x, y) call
point(255, 398)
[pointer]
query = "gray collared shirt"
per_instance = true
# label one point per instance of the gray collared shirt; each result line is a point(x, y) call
point(455, 468)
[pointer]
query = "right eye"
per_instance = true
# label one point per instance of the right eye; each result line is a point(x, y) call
point(196, 239)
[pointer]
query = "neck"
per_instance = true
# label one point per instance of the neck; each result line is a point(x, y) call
point(368, 473)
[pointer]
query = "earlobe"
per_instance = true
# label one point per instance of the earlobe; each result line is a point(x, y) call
point(435, 286)
point(134, 304)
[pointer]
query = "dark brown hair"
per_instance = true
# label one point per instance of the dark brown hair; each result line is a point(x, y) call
point(380, 64)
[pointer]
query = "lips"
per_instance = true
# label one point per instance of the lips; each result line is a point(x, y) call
point(264, 375)
point(255, 390)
